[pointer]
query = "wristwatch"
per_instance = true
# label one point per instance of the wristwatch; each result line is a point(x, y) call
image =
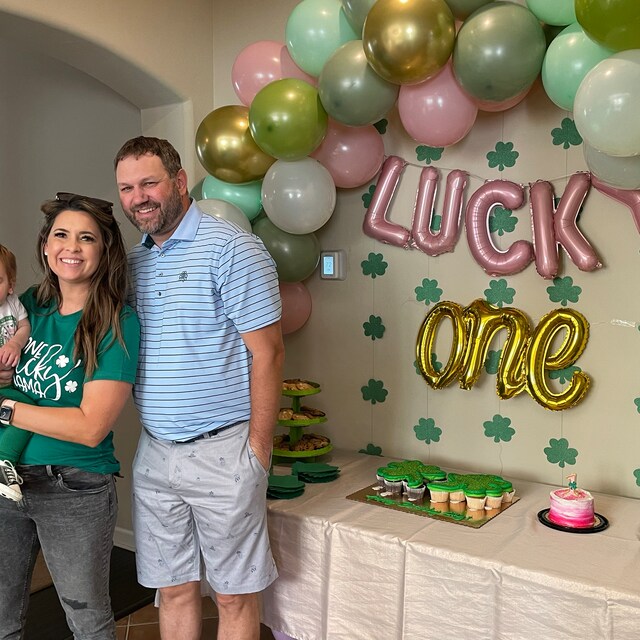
point(6, 410)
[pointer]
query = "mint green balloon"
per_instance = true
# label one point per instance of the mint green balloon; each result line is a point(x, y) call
point(556, 12)
point(287, 119)
point(246, 196)
point(315, 29)
point(570, 56)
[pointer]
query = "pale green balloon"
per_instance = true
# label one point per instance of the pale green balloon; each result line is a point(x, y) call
point(314, 30)
point(623, 173)
point(556, 12)
point(245, 196)
point(570, 56)
point(351, 91)
point(606, 106)
point(499, 51)
point(462, 9)
point(356, 12)
point(296, 256)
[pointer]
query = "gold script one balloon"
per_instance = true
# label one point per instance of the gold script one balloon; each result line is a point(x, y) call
point(541, 358)
point(227, 150)
point(407, 41)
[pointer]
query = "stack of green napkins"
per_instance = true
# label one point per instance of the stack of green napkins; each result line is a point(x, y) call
point(284, 487)
point(314, 471)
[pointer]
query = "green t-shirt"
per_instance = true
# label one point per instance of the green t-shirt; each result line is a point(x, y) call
point(48, 375)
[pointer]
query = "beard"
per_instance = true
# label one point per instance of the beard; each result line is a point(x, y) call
point(167, 214)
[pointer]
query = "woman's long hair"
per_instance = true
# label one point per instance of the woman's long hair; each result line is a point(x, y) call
point(108, 286)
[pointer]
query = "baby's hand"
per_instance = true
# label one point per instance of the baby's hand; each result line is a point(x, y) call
point(9, 355)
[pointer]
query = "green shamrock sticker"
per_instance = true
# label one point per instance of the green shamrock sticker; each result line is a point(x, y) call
point(502, 221)
point(374, 391)
point(492, 362)
point(564, 375)
point(374, 265)
point(498, 428)
point(374, 327)
point(437, 366)
point(564, 291)
point(558, 452)
point(499, 293)
point(436, 222)
point(567, 134)
point(426, 430)
point(428, 154)
point(503, 156)
point(637, 403)
point(636, 473)
point(381, 126)
point(371, 450)
point(428, 292)
point(366, 197)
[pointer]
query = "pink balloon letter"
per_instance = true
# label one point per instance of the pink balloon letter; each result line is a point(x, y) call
point(485, 253)
point(630, 197)
point(422, 237)
point(375, 223)
point(544, 239)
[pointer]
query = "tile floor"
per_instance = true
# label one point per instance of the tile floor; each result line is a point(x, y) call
point(143, 624)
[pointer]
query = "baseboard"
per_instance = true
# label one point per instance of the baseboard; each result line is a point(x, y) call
point(124, 539)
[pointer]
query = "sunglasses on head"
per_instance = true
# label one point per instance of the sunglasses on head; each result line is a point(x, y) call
point(68, 198)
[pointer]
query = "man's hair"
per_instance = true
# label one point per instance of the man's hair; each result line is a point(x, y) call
point(143, 145)
point(8, 260)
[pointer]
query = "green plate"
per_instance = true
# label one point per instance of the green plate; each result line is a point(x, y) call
point(284, 483)
point(302, 423)
point(313, 467)
point(284, 453)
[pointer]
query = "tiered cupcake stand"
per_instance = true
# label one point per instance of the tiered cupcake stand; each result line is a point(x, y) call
point(297, 427)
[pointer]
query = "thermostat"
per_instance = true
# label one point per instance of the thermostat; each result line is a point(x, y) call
point(333, 265)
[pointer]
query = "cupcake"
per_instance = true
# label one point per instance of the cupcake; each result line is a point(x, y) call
point(438, 492)
point(392, 487)
point(415, 491)
point(494, 498)
point(476, 499)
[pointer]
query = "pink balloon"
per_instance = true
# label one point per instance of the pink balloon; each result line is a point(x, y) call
point(296, 306)
point(488, 105)
point(629, 197)
point(375, 223)
point(496, 263)
point(422, 237)
point(352, 155)
point(437, 112)
point(260, 63)
point(544, 239)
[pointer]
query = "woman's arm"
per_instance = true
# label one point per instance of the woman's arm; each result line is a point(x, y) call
point(88, 424)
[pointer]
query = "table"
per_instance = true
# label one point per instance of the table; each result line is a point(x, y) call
point(353, 571)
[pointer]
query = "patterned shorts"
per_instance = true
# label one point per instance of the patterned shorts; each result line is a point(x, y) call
point(202, 501)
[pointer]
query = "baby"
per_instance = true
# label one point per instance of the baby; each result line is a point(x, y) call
point(14, 333)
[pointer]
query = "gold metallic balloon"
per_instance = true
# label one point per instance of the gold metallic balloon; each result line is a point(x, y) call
point(426, 340)
point(483, 321)
point(227, 150)
point(407, 41)
point(540, 358)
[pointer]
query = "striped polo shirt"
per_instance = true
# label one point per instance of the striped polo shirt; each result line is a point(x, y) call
point(207, 284)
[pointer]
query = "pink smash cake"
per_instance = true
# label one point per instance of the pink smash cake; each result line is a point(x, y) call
point(572, 507)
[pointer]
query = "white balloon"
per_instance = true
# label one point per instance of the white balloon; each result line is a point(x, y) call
point(298, 197)
point(225, 210)
point(606, 103)
point(620, 172)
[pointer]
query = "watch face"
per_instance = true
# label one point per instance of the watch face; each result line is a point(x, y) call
point(5, 414)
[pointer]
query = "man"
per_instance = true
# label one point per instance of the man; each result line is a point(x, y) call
point(208, 391)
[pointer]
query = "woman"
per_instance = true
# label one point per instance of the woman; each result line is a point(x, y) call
point(78, 368)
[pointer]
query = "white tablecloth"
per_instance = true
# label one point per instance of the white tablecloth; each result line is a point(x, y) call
point(352, 571)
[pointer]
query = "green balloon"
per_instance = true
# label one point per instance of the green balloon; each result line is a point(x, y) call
point(196, 191)
point(555, 12)
point(351, 91)
point(356, 12)
point(499, 51)
point(569, 58)
point(287, 119)
point(246, 196)
point(296, 256)
point(615, 25)
point(462, 9)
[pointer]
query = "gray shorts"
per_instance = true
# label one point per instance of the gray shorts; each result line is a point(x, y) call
point(205, 499)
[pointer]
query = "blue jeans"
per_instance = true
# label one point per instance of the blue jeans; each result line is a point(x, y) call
point(71, 515)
